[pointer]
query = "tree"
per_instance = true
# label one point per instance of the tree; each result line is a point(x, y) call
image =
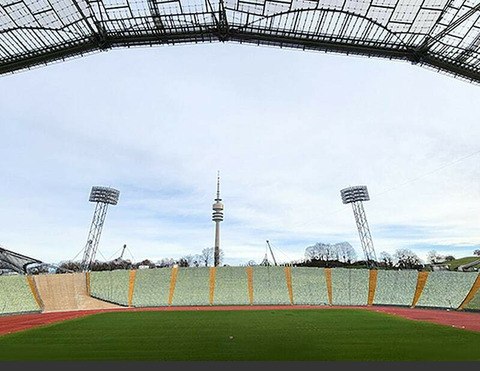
point(207, 256)
point(449, 258)
point(197, 260)
point(318, 251)
point(434, 257)
point(341, 251)
point(190, 260)
point(386, 259)
point(165, 263)
point(477, 252)
point(407, 259)
point(345, 252)
point(182, 263)
point(71, 266)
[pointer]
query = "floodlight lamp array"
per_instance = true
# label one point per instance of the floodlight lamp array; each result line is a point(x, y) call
point(105, 195)
point(354, 194)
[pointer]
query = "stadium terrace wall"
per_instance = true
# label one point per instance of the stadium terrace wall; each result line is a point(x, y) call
point(446, 289)
point(111, 286)
point(17, 296)
point(258, 285)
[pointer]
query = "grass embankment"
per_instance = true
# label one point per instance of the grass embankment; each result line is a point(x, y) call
point(454, 264)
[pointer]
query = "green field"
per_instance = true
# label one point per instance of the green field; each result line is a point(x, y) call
point(334, 334)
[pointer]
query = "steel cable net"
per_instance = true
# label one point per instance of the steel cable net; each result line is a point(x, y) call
point(442, 34)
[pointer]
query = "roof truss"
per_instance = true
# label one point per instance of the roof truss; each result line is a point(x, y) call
point(443, 34)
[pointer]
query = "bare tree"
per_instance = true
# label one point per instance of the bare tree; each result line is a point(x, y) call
point(165, 263)
point(74, 266)
point(434, 257)
point(207, 255)
point(407, 259)
point(386, 259)
point(341, 251)
point(189, 259)
point(319, 251)
point(345, 252)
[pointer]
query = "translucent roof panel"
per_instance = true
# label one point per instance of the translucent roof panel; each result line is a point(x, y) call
point(441, 34)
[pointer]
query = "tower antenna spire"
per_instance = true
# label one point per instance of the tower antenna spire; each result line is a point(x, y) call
point(218, 187)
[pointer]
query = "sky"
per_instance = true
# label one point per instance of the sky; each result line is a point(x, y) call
point(287, 130)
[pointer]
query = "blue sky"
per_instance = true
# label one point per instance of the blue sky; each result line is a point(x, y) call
point(287, 130)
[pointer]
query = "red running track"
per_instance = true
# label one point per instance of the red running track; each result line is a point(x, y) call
point(464, 320)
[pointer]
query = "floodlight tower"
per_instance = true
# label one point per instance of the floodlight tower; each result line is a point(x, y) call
point(103, 196)
point(355, 196)
point(217, 217)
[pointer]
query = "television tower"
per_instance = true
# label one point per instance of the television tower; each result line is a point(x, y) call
point(217, 217)
point(103, 196)
point(355, 195)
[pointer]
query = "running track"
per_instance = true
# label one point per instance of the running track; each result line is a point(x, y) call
point(464, 320)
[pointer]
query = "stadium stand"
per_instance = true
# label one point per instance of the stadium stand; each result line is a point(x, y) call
point(16, 297)
point(64, 292)
point(231, 286)
point(472, 301)
point(446, 289)
point(192, 287)
point(309, 286)
point(270, 286)
point(474, 304)
point(152, 287)
point(111, 286)
point(395, 287)
point(350, 286)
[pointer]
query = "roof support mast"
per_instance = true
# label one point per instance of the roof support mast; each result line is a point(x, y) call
point(271, 253)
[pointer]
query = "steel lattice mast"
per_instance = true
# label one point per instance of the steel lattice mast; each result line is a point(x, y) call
point(355, 196)
point(217, 217)
point(103, 196)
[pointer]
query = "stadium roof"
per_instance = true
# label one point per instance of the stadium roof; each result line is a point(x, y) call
point(15, 261)
point(442, 34)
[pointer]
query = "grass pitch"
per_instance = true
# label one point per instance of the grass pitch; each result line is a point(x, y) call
point(334, 334)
